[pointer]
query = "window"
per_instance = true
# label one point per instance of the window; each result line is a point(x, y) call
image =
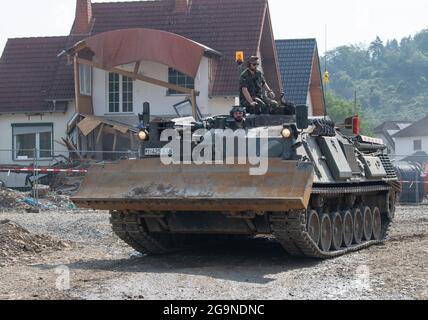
point(85, 79)
point(417, 145)
point(120, 94)
point(28, 139)
point(127, 86)
point(184, 109)
point(113, 92)
point(179, 79)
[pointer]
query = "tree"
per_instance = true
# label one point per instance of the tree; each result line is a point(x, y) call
point(421, 40)
point(375, 98)
point(391, 79)
point(392, 45)
point(339, 109)
point(376, 49)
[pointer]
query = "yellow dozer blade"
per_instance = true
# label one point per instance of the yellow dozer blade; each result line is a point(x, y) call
point(148, 185)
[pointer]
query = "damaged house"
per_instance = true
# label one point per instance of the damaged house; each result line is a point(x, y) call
point(89, 87)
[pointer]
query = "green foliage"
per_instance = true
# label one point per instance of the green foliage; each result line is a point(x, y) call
point(391, 79)
point(339, 109)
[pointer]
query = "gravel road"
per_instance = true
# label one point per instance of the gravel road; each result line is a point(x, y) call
point(99, 266)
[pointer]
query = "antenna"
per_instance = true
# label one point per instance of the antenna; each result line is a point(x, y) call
point(355, 101)
point(325, 50)
point(325, 77)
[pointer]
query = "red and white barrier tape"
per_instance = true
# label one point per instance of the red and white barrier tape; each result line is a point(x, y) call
point(47, 170)
point(42, 170)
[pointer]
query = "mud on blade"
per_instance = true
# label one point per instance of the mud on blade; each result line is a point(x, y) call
point(148, 185)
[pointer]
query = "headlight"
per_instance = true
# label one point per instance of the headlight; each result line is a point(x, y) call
point(143, 135)
point(286, 133)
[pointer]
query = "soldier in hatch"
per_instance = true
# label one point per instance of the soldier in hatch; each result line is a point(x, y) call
point(252, 88)
point(238, 114)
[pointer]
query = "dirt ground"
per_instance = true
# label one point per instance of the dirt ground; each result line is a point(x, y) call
point(97, 265)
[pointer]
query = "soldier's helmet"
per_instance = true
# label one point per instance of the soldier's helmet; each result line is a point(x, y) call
point(237, 109)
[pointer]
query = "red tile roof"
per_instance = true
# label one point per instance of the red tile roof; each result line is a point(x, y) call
point(30, 71)
point(27, 68)
point(62, 86)
point(224, 25)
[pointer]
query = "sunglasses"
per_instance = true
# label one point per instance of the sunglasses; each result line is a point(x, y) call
point(255, 64)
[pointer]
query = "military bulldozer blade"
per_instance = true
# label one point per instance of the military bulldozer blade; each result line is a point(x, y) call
point(149, 186)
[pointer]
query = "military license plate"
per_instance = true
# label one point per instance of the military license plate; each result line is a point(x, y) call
point(158, 152)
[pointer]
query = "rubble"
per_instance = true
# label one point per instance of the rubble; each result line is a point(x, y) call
point(10, 199)
point(40, 191)
point(50, 191)
point(15, 242)
point(67, 185)
point(24, 201)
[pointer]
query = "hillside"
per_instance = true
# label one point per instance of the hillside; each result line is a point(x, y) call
point(391, 79)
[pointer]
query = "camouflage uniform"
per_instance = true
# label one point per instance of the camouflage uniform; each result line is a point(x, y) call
point(254, 83)
point(239, 125)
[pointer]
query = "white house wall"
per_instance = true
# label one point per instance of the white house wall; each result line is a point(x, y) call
point(59, 121)
point(161, 103)
point(404, 146)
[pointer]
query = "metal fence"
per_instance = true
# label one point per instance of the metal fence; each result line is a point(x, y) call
point(28, 169)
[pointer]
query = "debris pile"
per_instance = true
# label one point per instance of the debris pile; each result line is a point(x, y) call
point(67, 184)
point(16, 242)
point(25, 201)
point(10, 199)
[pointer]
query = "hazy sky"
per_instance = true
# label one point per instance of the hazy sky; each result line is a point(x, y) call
point(348, 21)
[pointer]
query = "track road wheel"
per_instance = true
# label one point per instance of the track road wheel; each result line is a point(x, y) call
point(337, 224)
point(348, 229)
point(368, 223)
point(326, 233)
point(314, 228)
point(390, 204)
point(358, 226)
point(377, 224)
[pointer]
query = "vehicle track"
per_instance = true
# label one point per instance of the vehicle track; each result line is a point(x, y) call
point(289, 228)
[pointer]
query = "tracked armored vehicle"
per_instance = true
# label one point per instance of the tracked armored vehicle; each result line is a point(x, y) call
point(324, 193)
